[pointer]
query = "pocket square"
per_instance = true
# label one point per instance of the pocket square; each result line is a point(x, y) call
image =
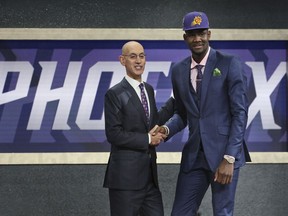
point(216, 72)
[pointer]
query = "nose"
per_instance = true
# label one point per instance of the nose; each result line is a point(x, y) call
point(197, 37)
point(138, 59)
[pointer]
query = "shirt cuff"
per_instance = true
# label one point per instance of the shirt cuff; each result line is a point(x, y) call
point(166, 130)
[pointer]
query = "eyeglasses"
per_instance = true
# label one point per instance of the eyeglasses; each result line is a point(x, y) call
point(134, 56)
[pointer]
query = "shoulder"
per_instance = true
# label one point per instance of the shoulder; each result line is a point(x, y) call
point(147, 85)
point(114, 88)
point(117, 88)
point(224, 55)
point(182, 63)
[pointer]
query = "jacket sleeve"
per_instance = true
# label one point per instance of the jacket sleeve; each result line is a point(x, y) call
point(238, 107)
point(166, 111)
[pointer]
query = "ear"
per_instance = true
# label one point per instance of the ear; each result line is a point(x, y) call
point(209, 34)
point(184, 36)
point(122, 60)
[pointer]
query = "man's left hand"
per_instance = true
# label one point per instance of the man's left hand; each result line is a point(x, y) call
point(224, 173)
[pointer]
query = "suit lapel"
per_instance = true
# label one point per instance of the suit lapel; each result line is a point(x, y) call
point(209, 67)
point(133, 97)
point(187, 85)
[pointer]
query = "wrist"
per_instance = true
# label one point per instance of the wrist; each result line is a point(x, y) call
point(166, 130)
point(149, 138)
point(229, 159)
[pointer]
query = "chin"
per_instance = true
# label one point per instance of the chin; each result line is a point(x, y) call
point(198, 51)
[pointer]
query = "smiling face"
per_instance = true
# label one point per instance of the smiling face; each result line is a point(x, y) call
point(198, 42)
point(134, 60)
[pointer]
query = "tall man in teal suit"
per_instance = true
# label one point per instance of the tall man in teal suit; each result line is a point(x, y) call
point(210, 95)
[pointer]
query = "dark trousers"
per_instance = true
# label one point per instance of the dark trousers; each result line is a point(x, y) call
point(192, 186)
point(145, 202)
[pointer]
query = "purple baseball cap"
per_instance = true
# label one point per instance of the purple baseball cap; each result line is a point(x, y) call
point(195, 20)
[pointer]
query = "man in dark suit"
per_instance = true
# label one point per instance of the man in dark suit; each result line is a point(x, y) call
point(210, 96)
point(130, 115)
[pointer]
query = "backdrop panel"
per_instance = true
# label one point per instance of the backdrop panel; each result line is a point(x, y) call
point(52, 91)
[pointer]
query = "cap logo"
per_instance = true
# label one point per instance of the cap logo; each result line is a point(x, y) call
point(197, 21)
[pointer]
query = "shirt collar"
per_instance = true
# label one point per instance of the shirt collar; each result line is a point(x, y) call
point(134, 83)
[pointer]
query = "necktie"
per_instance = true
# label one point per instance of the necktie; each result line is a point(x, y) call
point(144, 102)
point(199, 79)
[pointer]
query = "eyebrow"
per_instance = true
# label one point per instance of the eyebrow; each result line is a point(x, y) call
point(134, 53)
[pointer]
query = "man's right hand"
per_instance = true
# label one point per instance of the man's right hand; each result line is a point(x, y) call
point(157, 138)
point(157, 135)
point(161, 129)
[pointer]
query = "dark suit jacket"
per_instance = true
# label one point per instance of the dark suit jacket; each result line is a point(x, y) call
point(127, 132)
point(219, 121)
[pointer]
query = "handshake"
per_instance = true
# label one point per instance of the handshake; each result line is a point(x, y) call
point(158, 134)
